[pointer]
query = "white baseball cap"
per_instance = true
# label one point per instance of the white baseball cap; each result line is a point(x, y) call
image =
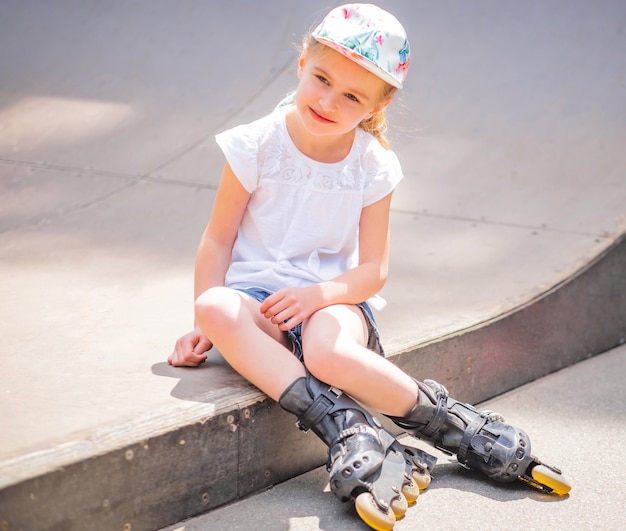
point(371, 37)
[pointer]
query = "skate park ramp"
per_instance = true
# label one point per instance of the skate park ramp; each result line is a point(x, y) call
point(508, 252)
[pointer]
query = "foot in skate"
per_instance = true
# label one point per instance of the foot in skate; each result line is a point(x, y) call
point(481, 440)
point(365, 462)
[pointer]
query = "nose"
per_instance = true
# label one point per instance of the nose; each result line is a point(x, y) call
point(328, 102)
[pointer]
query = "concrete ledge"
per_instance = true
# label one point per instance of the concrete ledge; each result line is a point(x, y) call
point(160, 468)
point(172, 464)
point(574, 320)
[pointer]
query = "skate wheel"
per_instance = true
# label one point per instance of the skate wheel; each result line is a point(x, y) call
point(551, 479)
point(399, 506)
point(422, 479)
point(411, 492)
point(370, 513)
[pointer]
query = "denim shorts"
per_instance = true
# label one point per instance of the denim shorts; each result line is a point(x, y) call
point(295, 333)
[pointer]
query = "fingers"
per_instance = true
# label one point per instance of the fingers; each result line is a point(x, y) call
point(189, 350)
point(268, 304)
point(282, 310)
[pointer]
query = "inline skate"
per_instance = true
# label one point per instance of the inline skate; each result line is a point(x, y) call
point(365, 462)
point(480, 440)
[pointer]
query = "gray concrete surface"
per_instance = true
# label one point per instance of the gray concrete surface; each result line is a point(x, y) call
point(511, 132)
point(574, 417)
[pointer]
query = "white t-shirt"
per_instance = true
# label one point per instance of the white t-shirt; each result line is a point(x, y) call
point(301, 224)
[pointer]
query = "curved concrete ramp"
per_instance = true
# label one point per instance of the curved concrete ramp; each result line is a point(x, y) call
point(508, 231)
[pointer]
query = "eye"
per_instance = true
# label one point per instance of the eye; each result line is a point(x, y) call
point(322, 79)
point(352, 97)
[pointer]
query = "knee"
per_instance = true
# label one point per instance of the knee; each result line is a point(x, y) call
point(321, 357)
point(216, 310)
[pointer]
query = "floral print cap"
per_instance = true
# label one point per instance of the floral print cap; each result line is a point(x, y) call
point(370, 37)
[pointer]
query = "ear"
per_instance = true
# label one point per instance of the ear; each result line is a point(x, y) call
point(301, 63)
point(380, 106)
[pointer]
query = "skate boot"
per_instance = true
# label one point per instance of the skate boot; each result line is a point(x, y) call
point(365, 462)
point(481, 440)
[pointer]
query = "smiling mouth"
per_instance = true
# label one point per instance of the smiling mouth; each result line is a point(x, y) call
point(319, 117)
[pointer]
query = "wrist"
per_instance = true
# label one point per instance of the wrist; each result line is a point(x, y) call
point(328, 293)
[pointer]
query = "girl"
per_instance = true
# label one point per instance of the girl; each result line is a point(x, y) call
point(296, 251)
point(298, 238)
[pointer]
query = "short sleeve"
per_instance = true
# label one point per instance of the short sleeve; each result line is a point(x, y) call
point(383, 175)
point(240, 147)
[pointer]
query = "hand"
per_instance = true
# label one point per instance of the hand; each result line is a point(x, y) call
point(190, 349)
point(288, 307)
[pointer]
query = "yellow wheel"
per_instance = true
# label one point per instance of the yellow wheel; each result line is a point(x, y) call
point(548, 477)
point(422, 479)
point(399, 506)
point(411, 492)
point(370, 513)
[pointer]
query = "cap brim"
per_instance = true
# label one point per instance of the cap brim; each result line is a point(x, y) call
point(361, 61)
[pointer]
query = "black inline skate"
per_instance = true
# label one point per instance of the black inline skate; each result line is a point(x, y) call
point(365, 462)
point(481, 440)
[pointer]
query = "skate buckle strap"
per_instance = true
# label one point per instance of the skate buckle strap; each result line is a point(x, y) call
point(439, 416)
point(354, 430)
point(317, 410)
point(472, 429)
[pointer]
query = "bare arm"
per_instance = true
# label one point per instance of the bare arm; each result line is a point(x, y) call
point(216, 244)
point(212, 261)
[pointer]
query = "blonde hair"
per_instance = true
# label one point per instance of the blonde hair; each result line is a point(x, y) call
point(375, 124)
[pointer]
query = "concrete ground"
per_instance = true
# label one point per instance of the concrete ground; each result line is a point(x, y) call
point(511, 132)
point(574, 418)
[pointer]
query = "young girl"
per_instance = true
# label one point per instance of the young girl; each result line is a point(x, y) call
point(297, 249)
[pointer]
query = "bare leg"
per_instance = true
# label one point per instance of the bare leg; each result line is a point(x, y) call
point(333, 342)
point(252, 345)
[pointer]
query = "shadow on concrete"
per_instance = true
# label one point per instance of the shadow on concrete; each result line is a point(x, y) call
point(197, 383)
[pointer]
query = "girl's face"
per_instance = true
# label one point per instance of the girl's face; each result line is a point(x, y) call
point(335, 94)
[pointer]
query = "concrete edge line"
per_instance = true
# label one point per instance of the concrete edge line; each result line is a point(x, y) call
point(111, 438)
point(575, 319)
point(175, 463)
